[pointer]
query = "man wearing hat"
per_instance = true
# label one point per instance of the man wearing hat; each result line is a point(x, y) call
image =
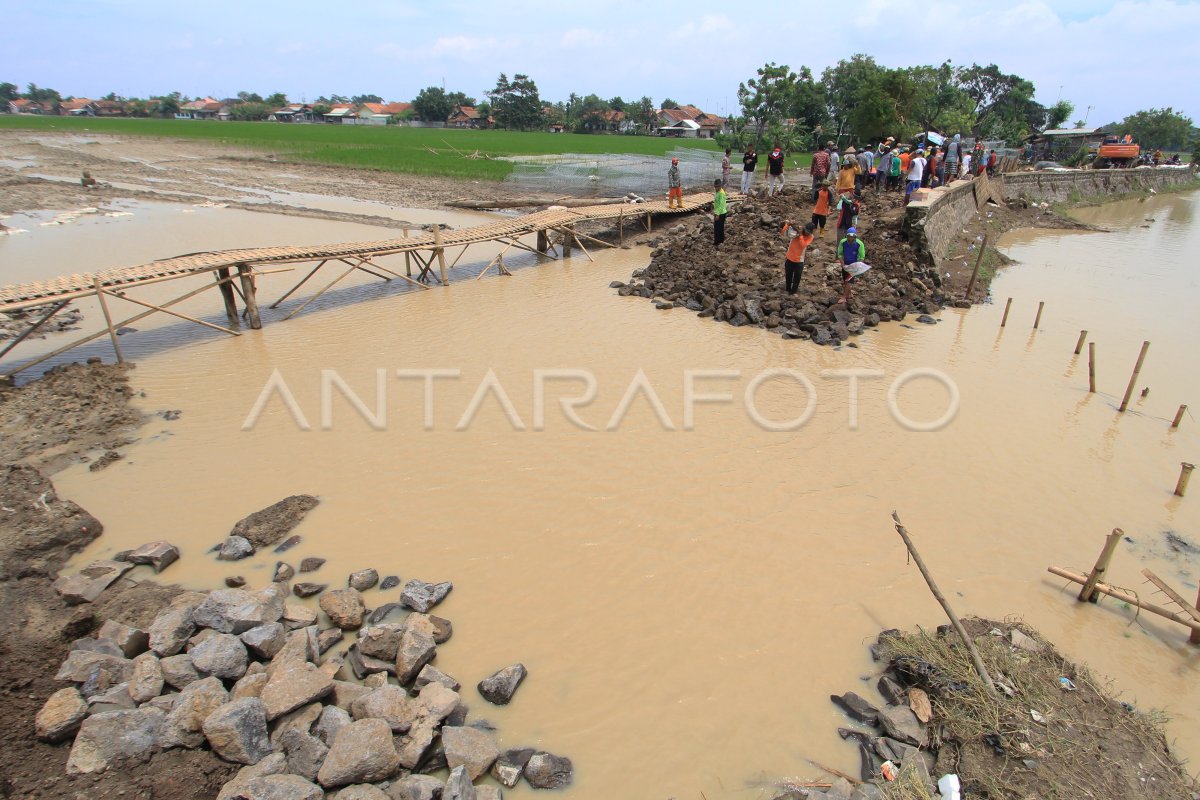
point(847, 177)
point(674, 185)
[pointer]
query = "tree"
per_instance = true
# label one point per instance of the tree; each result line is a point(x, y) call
point(846, 85)
point(166, 106)
point(1058, 114)
point(1158, 129)
point(617, 104)
point(515, 103)
point(47, 97)
point(645, 112)
point(591, 114)
point(249, 97)
point(359, 99)
point(9, 91)
point(1004, 107)
point(277, 100)
point(767, 97)
point(669, 103)
point(460, 99)
point(432, 105)
point(936, 96)
point(250, 111)
point(321, 109)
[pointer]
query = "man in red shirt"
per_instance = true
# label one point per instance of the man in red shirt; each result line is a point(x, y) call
point(819, 170)
point(793, 262)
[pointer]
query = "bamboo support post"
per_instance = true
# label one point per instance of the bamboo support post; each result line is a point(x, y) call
point(248, 295)
point(328, 286)
point(441, 254)
point(112, 332)
point(1037, 321)
point(407, 258)
point(1125, 597)
point(975, 272)
point(1133, 378)
point(32, 329)
point(461, 253)
point(1175, 596)
point(575, 239)
point(1185, 473)
point(1079, 344)
point(221, 277)
point(568, 242)
point(621, 225)
point(543, 242)
point(1174, 424)
point(1092, 367)
point(178, 314)
point(988, 686)
point(1195, 637)
point(303, 281)
point(1004, 319)
point(1088, 594)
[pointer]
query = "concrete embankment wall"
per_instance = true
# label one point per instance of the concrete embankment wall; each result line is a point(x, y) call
point(932, 224)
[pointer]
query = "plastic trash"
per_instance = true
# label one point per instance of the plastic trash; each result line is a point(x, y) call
point(889, 771)
point(1066, 685)
point(1037, 717)
point(949, 787)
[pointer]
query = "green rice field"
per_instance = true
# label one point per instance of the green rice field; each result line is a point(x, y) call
point(420, 151)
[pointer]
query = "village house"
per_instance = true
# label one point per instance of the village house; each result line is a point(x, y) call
point(464, 117)
point(690, 122)
point(296, 112)
point(23, 106)
point(109, 108)
point(77, 107)
point(380, 113)
point(340, 113)
point(208, 108)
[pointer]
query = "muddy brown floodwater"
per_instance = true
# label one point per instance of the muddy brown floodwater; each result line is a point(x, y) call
point(687, 600)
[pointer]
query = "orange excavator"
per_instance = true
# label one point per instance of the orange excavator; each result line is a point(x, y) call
point(1117, 151)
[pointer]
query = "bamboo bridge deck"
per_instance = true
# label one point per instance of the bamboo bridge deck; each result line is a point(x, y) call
point(55, 294)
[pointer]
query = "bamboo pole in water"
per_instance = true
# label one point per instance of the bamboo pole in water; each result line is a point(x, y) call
point(1125, 597)
point(1038, 319)
point(975, 272)
point(1133, 378)
point(988, 686)
point(1092, 367)
point(1079, 344)
point(1004, 319)
point(1185, 472)
point(1179, 416)
point(1088, 594)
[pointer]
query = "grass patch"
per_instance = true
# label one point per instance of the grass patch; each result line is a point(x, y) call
point(417, 151)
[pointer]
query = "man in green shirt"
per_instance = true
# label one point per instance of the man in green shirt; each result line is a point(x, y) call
point(720, 209)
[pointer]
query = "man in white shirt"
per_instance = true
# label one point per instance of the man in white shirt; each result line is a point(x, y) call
point(916, 170)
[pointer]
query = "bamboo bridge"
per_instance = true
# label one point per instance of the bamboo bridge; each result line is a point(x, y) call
point(234, 271)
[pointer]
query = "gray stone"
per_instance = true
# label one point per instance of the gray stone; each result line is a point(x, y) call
point(274, 764)
point(486, 792)
point(362, 752)
point(840, 790)
point(390, 582)
point(311, 564)
point(301, 645)
point(332, 720)
point(222, 655)
point(265, 640)
point(459, 786)
point(91, 645)
point(294, 684)
point(431, 674)
point(268, 526)
point(388, 703)
point(892, 692)
point(499, 687)
point(174, 625)
point(82, 664)
point(159, 555)
point(900, 723)
point(442, 629)
point(278, 787)
point(866, 791)
point(184, 725)
point(145, 678)
point(87, 584)
point(115, 698)
point(308, 589)
point(469, 747)
point(344, 607)
point(363, 579)
point(251, 685)
point(130, 641)
point(346, 692)
point(416, 787)
point(328, 638)
point(230, 611)
point(298, 616)
point(364, 666)
point(422, 596)
point(235, 581)
point(305, 753)
point(59, 718)
point(164, 702)
point(417, 649)
point(178, 671)
point(381, 641)
point(237, 731)
point(283, 571)
point(510, 765)
point(548, 771)
point(361, 791)
point(432, 706)
point(858, 708)
point(273, 598)
point(132, 736)
point(235, 548)
point(301, 720)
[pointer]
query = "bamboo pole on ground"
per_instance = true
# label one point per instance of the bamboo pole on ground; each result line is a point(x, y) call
point(1004, 319)
point(1126, 597)
point(1079, 344)
point(1092, 367)
point(1133, 378)
point(975, 273)
point(1185, 472)
point(1175, 424)
point(1088, 594)
point(34, 328)
point(248, 296)
point(988, 686)
point(112, 332)
point(441, 254)
point(1038, 319)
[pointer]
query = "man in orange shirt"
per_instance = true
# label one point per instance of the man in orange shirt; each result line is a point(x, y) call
point(793, 262)
point(820, 211)
point(905, 158)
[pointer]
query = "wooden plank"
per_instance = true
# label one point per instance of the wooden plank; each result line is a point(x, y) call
point(1175, 596)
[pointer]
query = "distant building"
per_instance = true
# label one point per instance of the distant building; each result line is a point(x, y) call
point(77, 107)
point(110, 108)
point(340, 113)
point(1060, 144)
point(464, 117)
point(690, 122)
point(296, 112)
point(23, 106)
point(208, 108)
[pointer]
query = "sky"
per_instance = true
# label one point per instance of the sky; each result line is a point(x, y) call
point(1108, 58)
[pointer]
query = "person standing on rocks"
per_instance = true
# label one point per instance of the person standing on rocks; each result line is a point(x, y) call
point(720, 210)
point(848, 174)
point(793, 262)
point(883, 170)
point(851, 251)
point(749, 162)
point(847, 214)
point(916, 170)
point(953, 158)
point(725, 167)
point(775, 171)
point(819, 169)
point(866, 165)
point(824, 203)
point(674, 185)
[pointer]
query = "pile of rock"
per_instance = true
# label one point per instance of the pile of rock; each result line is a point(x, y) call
point(253, 677)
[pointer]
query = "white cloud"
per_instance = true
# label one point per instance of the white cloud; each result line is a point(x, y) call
point(707, 25)
point(582, 37)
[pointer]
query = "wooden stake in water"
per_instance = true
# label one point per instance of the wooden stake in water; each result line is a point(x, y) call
point(1133, 378)
point(1195, 637)
point(1037, 321)
point(1179, 416)
point(1004, 319)
point(1079, 344)
point(1184, 473)
point(1092, 367)
point(975, 273)
point(1089, 593)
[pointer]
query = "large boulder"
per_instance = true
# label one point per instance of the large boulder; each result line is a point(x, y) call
point(416, 787)
point(459, 786)
point(431, 674)
point(548, 771)
point(61, 715)
point(305, 753)
point(174, 625)
point(223, 655)
point(265, 640)
point(499, 687)
point(292, 685)
point(416, 649)
point(131, 736)
point(388, 703)
point(184, 725)
point(249, 685)
point(130, 641)
point(422, 596)
point(82, 665)
point(237, 731)
point(363, 579)
point(344, 607)
point(230, 611)
point(178, 671)
point(235, 548)
point(510, 765)
point(471, 748)
point(274, 764)
point(159, 555)
point(302, 720)
point(900, 723)
point(381, 641)
point(145, 678)
point(278, 787)
point(87, 584)
point(268, 526)
point(332, 720)
point(430, 709)
point(362, 791)
point(362, 752)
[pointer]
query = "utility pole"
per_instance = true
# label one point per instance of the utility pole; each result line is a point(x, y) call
point(1088, 114)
